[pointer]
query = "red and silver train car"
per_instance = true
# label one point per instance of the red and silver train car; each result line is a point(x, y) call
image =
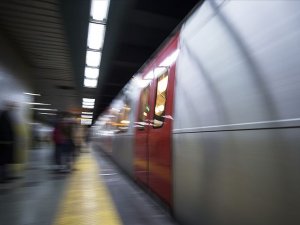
point(211, 124)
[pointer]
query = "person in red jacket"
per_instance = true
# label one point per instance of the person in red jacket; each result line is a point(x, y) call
point(59, 140)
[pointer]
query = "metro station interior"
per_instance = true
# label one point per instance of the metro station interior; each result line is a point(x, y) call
point(142, 112)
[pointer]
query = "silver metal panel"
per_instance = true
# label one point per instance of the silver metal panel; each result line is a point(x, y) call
point(123, 143)
point(102, 143)
point(236, 157)
point(237, 177)
point(236, 66)
point(120, 145)
point(123, 152)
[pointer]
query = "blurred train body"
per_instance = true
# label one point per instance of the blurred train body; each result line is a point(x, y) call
point(211, 124)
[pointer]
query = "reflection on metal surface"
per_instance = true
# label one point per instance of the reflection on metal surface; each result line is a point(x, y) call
point(170, 59)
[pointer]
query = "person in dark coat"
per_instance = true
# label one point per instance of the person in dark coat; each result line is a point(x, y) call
point(7, 141)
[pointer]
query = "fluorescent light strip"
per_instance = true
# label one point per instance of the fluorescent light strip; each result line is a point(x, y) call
point(93, 58)
point(37, 103)
point(88, 103)
point(96, 36)
point(86, 116)
point(88, 106)
point(99, 10)
point(89, 113)
point(86, 120)
point(27, 93)
point(91, 73)
point(44, 109)
point(89, 100)
point(90, 83)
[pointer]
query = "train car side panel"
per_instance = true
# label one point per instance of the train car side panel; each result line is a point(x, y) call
point(236, 117)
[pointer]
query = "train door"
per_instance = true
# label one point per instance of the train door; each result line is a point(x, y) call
point(141, 158)
point(159, 141)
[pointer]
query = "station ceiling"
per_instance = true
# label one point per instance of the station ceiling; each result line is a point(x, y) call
point(51, 36)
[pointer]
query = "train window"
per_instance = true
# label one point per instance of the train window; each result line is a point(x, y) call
point(160, 102)
point(123, 118)
point(112, 120)
point(144, 108)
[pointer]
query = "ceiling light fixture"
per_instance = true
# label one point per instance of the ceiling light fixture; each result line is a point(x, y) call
point(96, 36)
point(88, 106)
point(44, 109)
point(93, 58)
point(91, 73)
point(88, 103)
point(88, 113)
point(27, 93)
point(96, 33)
point(86, 116)
point(90, 83)
point(37, 103)
point(90, 100)
point(99, 10)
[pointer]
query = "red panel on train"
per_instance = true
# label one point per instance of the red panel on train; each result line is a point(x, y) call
point(153, 153)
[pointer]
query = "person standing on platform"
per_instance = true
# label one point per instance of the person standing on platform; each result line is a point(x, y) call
point(7, 140)
point(59, 140)
point(68, 146)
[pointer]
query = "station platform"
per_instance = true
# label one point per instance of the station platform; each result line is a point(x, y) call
point(96, 192)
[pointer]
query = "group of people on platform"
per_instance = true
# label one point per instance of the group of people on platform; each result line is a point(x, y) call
point(67, 137)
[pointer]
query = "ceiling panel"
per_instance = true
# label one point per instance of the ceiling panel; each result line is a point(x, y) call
point(39, 31)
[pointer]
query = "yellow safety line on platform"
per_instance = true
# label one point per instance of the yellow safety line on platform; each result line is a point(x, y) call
point(87, 200)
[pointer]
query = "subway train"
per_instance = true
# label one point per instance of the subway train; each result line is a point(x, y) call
point(211, 123)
